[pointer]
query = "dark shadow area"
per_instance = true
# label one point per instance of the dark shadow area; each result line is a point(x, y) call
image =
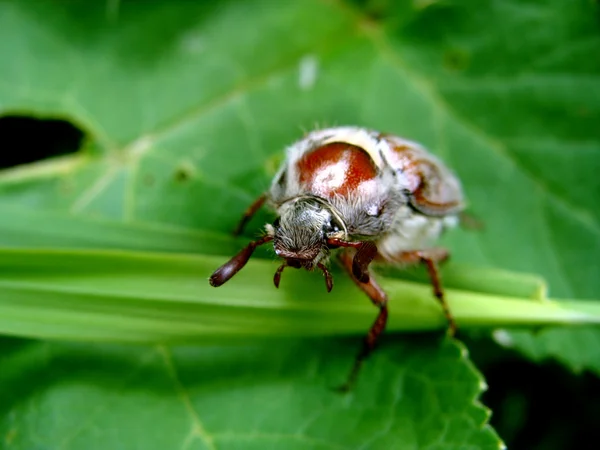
point(538, 406)
point(25, 140)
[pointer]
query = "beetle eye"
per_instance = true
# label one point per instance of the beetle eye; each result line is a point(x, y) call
point(332, 226)
point(276, 223)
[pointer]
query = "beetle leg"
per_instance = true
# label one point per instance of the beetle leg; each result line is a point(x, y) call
point(379, 299)
point(327, 275)
point(252, 209)
point(431, 258)
point(366, 252)
point(363, 257)
point(470, 222)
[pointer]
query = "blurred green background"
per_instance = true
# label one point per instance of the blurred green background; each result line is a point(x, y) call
point(134, 133)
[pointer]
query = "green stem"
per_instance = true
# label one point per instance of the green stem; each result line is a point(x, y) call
point(127, 296)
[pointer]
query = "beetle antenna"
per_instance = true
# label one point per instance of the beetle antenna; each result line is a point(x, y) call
point(235, 264)
point(277, 277)
point(328, 277)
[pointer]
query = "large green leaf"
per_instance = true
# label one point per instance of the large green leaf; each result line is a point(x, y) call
point(187, 107)
point(171, 101)
point(248, 396)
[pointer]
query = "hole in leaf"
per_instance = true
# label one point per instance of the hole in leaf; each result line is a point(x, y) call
point(25, 140)
point(184, 172)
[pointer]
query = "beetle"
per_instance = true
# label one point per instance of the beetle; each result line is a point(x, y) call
point(365, 195)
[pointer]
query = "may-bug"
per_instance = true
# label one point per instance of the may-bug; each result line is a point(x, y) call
point(364, 195)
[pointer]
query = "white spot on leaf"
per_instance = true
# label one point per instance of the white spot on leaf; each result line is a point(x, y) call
point(140, 146)
point(309, 68)
point(192, 43)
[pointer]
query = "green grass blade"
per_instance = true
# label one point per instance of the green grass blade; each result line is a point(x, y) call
point(146, 297)
point(23, 230)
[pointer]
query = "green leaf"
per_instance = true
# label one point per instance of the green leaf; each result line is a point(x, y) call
point(577, 348)
point(187, 107)
point(21, 228)
point(247, 396)
point(145, 297)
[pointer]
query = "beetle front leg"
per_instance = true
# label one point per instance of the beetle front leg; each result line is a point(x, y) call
point(379, 299)
point(252, 209)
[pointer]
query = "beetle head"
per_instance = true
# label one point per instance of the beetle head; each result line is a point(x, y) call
point(300, 234)
point(301, 231)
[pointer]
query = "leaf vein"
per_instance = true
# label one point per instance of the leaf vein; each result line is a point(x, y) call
point(184, 396)
point(494, 143)
point(376, 35)
point(278, 436)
